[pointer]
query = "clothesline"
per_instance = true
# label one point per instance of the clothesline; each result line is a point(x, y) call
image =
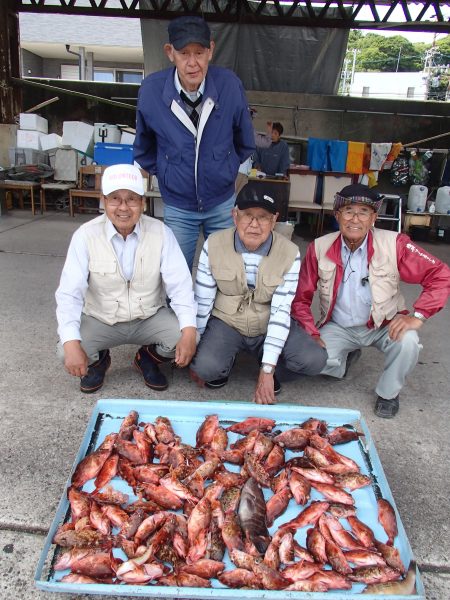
point(434, 137)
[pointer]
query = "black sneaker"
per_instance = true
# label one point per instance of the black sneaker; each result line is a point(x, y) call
point(157, 358)
point(95, 376)
point(147, 366)
point(216, 383)
point(352, 358)
point(386, 408)
point(276, 386)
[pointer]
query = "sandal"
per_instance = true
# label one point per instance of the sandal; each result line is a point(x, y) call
point(386, 408)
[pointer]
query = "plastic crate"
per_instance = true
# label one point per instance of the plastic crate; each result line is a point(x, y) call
point(113, 154)
point(26, 156)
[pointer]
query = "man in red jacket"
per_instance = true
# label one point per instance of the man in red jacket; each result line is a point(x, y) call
point(357, 272)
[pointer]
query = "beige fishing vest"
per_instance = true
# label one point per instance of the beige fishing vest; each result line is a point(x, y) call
point(244, 309)
point(384, 278)
point(110, 298)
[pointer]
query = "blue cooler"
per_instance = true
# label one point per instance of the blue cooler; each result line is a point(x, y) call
point(113, 154)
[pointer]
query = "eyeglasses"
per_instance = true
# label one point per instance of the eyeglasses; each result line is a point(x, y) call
point(362, 215)
point(247, 219)
point(132, 202)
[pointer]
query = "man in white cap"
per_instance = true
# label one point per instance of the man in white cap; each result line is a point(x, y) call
point(119, 268)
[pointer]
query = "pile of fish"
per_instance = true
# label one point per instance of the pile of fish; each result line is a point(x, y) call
point(190, 509)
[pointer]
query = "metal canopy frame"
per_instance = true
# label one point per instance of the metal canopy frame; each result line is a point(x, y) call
point(402, 15)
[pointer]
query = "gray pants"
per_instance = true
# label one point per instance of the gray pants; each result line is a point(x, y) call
point(221, 343)
point(400, 357)
point(162, 329)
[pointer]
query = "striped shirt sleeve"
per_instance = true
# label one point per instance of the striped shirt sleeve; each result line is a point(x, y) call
point(280, 315)
point(205, 289)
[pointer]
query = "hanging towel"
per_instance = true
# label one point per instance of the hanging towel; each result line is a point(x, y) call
point(378, 155)
point(355, 157)
point(317, 154)
point(395, 151)
point(337, 153)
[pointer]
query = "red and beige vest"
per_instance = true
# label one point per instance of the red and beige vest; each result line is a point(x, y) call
point(384, 278)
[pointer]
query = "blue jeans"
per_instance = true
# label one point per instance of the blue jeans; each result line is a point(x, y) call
point(186, 225)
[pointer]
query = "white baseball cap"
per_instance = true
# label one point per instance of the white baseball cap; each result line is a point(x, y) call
point(122, 177)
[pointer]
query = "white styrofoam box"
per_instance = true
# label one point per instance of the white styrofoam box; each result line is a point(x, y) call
point(79, 135)
point(109, 134)
point(52, 141)
point(127, 138)
point(33, 122)
point(29, 139)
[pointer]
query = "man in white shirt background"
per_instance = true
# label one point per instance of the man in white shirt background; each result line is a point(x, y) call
point(119, 268)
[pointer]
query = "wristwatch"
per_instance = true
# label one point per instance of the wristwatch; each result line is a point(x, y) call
point(419, 315)
point(268, 369)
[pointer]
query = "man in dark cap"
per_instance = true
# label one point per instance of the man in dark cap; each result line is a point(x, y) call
point(246, 280)
point(193, 131)
point(357, 271)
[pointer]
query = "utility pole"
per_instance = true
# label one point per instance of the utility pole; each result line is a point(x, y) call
point(355, 52)
point(398, 59)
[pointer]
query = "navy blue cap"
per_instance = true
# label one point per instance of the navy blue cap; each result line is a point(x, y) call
point(189, 30)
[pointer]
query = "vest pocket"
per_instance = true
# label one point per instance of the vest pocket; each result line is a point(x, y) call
point(102, 267)
point(227, 281)
point(103, 274)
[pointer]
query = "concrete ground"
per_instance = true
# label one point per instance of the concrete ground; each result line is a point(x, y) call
point(44, 415)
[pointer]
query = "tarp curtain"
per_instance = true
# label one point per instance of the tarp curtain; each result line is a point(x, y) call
point(271, 58)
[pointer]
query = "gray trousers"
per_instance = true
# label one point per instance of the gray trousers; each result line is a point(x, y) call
point(220, 344)
point(161, 329)
point(400, 357)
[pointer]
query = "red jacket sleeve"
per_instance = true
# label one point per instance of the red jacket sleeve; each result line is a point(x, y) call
point(307, 284)
point(416, 265)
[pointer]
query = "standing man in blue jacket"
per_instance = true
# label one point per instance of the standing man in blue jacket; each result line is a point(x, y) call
point(193, 131)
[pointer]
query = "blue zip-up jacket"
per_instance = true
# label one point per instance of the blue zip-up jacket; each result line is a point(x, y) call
point(195, 171)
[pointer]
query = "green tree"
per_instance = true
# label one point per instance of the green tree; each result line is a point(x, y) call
point(444, 48)
point(379, 53)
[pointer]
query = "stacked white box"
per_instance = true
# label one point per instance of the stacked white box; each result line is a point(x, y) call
point(29, 139)
point(52, 141)
point(127, 138)
point(33, 122)
point(79, 136)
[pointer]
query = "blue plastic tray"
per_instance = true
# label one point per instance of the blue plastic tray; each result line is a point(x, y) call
point(186, 417)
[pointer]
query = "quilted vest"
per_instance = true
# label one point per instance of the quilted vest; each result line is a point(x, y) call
point(243, 308)
point(110, 298)
point(384, 278)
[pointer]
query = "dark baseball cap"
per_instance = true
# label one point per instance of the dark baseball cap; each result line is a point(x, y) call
point(189, 30)
point(250, 198)
point(357, 193)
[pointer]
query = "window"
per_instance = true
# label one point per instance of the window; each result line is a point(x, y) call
point(129, 76)
point(118, 75)
point(104, 75)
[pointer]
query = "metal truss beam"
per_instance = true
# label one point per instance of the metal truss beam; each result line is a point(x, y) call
point(401, 15)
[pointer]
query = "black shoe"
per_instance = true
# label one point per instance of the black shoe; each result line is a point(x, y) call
point(276, 386)
point(95, 377)
point(157, 358)
point(352, 358)
point(146, 365)
point(216, 383)
point(386, 408)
